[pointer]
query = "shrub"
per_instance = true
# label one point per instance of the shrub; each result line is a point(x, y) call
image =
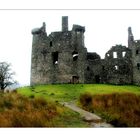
point(52, 94)
point(86, 101)
point(39, 103)
point(31, 96)
point(19, 111)
point(14, 91)
point(121, 110)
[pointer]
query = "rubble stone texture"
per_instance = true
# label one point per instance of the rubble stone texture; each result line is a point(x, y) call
point(61, 57)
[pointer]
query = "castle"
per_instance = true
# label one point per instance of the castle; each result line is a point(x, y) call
point(61, 57)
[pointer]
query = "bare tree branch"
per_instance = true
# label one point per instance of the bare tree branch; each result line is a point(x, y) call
point(6, 75)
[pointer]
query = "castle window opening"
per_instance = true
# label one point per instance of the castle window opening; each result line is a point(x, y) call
point(137, 51)
point(123, 54)
point(50, 43)
point(114, 54)
point(55, 57)
point(116, 67)
point(103, 67)
point(78, 32)
point(138, 66)
point(75, 55)
point(108, 54)
point(56, 62)
point(88, 68)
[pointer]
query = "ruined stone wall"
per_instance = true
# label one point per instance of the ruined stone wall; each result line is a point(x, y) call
point(61, 57)
point(118, 66)
point(93, 68)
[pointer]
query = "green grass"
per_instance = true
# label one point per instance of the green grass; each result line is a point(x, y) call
point(69, 118)
point(68, 92)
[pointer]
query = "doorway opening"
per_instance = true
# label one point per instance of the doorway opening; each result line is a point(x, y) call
point(75, 79)
point(97, 79)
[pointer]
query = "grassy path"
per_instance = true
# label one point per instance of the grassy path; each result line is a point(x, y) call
point(93, 119)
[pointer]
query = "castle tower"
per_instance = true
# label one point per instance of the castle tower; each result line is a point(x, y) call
point(58, 57)
point(64, 23)
point(130, 38)
point(134, 45)
point(38, 43)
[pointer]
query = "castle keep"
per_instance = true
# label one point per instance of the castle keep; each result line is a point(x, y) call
point(61, 57)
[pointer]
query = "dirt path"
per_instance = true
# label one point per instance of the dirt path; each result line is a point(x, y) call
point(93, 119)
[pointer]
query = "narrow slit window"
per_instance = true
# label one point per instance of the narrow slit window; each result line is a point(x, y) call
point(137, 51)
point(50, 43)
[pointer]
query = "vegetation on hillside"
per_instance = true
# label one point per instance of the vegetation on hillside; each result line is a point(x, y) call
point(111, 102)
point(17, 110)
point(121, 110)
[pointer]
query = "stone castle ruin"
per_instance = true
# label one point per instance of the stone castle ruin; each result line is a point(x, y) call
point(61, 57)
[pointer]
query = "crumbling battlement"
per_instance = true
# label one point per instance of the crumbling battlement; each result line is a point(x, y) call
point(61, 57)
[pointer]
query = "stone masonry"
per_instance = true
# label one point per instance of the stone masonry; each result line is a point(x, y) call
point(61, 57)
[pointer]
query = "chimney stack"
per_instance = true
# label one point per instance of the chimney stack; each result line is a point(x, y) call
point(64, 23)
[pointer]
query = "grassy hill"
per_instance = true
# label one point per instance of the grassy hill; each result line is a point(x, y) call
point(38, 106)
point(118, 105)
point(68, 92)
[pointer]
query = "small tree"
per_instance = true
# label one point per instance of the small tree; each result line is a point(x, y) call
point(6, 75)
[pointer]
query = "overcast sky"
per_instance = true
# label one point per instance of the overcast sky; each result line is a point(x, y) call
point(104, 28)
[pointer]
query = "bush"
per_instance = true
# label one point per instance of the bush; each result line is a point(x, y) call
point(14, 91)
point(19, 111)
point(31, 96)
point(121, 110)
point(86, 101)
point(52, 94)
